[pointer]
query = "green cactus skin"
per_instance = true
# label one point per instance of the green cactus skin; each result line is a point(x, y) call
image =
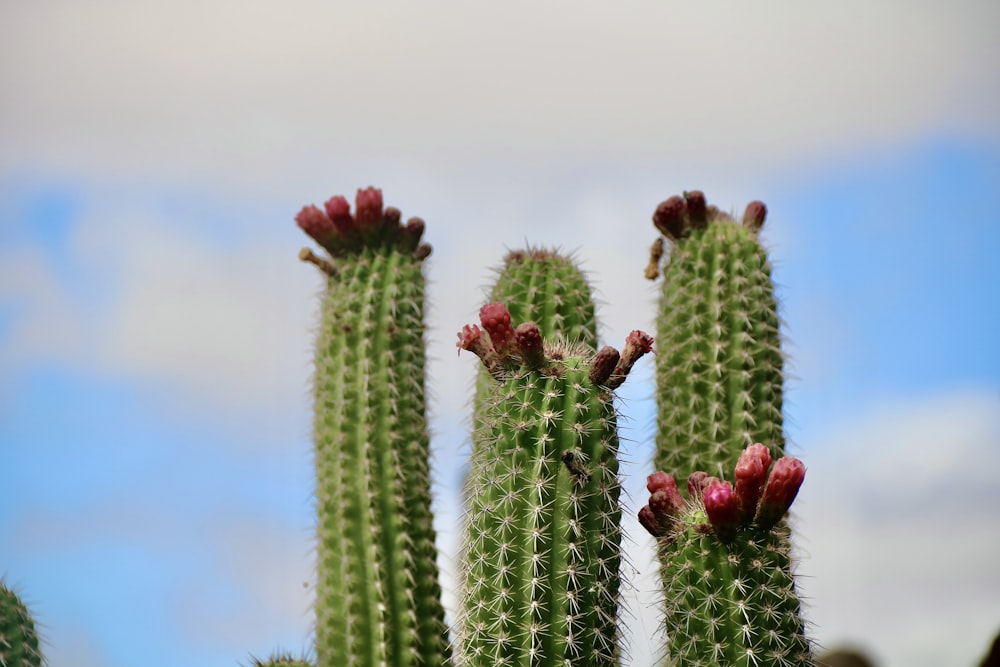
point(728, 584)
point(378, 598)
point(542, 550)
point(719, 371)
point(18, 639)
point(731, 604)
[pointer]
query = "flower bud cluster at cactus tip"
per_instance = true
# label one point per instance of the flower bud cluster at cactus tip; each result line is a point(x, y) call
point(372, 224)
point(677, 216)
point(502, 347)
point(758, 498)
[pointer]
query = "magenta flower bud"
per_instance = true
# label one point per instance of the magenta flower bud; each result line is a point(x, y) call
point(751, 475)
point(659, 480)
point(666, 503)
point(637, 343)
point(316, 224)
point(471, 338)
point(648, 520)
point(603, 365)
point(782, 487)
point(696, 482)
point(722, 508)
point(697, 208)
point(754, 215)
point(495, 319)
point(368, 205)
point(669, 217)
point(529, 342)
point(339, 212)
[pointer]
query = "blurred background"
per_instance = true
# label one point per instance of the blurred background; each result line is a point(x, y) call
point(156, 326)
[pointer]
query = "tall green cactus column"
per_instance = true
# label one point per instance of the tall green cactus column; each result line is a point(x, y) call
point(719, 373)
point(542, 552)
point(378, 599)
point(18, 638)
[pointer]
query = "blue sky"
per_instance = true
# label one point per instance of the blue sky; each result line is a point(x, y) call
point(155, 325)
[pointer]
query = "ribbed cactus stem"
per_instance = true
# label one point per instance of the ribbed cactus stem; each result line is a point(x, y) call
point(719, 373)
point(18, 637)
point(542, 552)
point(728, 585)
point(377, 593)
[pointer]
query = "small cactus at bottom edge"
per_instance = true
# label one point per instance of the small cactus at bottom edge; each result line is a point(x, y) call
point(19, 646)
point(543, 545)
point(726, 568)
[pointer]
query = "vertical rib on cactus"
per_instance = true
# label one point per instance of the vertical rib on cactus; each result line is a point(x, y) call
point(18, 638)
point(542, 551)
point(728, 585)
point(378, 596)
point(719, 374)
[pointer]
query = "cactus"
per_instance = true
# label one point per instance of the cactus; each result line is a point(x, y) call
point(19, 645)
point(720, 371)
point(730, 595)
point(542, 551)
point(378, 599)
point(719, 388)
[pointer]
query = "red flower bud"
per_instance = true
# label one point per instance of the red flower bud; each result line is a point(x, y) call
point(529, 342)
point(604, 364)
point(751, 475)
point(669, 218)
point(496, 320)
point(368, 206)
point(782, 487)
point(722, 508)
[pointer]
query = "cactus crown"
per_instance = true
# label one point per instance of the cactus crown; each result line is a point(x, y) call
point(19, 644)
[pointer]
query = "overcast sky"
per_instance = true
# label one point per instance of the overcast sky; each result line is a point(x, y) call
point(155, 325)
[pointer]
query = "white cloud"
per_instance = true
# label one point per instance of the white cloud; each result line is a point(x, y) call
point(898, 526)
point(268, 91)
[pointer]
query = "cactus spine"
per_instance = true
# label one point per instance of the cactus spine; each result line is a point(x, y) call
point(543, 546)
point(378, 596)
point(719, 374)
point(18, 638)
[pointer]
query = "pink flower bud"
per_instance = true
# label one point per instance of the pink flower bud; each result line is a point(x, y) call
point(637, 343)
point(411, 231)
point(666, 502)
point(751, 475)
point(603, 364)
point(339, 212)
point(648, 520)
point(696, 482)
point(659, 480)
point(529, 342)
point(316, 224)
point(496, 320)
point(471, 338)
point(368, 205)
point(722, 508)
point(669, 217)
point(782, 487)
